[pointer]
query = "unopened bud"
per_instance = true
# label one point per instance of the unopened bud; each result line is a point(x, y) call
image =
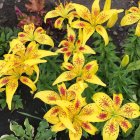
point(125, 60)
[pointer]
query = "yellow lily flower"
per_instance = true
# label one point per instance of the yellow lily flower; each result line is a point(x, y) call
point(114, 114)
point(77, 69)
point(31, 34)
point(62, 12)
point(78, 112)
point(132, 17)
point(93, 20)
point(73, 45)
point(56, 113)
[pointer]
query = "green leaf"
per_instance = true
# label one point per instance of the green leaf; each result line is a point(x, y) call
point(134, 66)
point(137, 134)
point(17, 129)
point(8, 137)
point(29, 129)
point(2, 37)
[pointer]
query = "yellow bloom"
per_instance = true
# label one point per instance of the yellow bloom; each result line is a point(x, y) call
point(73, 45)
point(114, 114)
point(56, 113)
point(77, 69)
point(32, 34)
point(94, 19)
point(63, 12)
point(132, 17)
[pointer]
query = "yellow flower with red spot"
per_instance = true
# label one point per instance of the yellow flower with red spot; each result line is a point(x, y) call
point(78, 70)
point(93, 20)
point(133, 16)
point(71, 112)
point(62, 12)
point(56, 114)
point(73, 45)
point(31, 34)
point(115, 114)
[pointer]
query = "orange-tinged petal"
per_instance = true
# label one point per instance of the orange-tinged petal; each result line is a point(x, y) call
point(29, 29)
point(87, 33)
point(82, 11)
point(4, 81)
point(68, 66)
point(70, 34)
point(88, 127)
point(94, 79)
point(58, 23)
point(44, 39)
point(91, 67)
point(103, 101)
point(78, 134)
point(86, 49)
point(67, 56)
point(111, 130)
point(117, 100)
point(104, 16)
point(124, 124)
point(62, 91)
point(65, 76)
point(39, 30)
point(23, 37)
point(64, 43)
point(130, 110)
point(130, 19)
point(58, 127)
point(137, 32)
point(78, 60)
point(64, 118)
point(52, 115)
point(134, 9)
point(51, 14)
point(47, 96)
point(25, 80)
point(11, 88)
point(107, 5)
point(95, 8)
point(69, 7)
point(102, 31)
point(79, 24)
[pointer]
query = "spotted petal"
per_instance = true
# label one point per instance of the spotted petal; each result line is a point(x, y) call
point(124, 124)
point(88, 127)
point(103, 101)
point(58, 127)
point(78, 134)
point(52, 115)
point(130, 19)
point(111, 130)
point(47, 96)
point(62, 91)
point(95, 8)
point(79, 24)
point(11, 88)
point(65, 76)
point(71, 34)
point(58, 23)
point(117, 100)
point(86, 50)
point(130, 110)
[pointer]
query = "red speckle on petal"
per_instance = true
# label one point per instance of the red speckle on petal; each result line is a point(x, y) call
point(112, 128)
point(21, 35)
point(70, 67)
point(55, 111)
point(124, 124)
point(5, 81)
point(58, 22)
point(117, 100)
point(64, 49)
point(68, 53)
point(88, 67)
point(25, 80)
point(81, 24)
point(62, 91)
point(52, 98)
point(66, 44)
point(81, 48)
point(40, 30)
point(71, 38)
point(85, 125)
point(102, 116)
point(77, 104)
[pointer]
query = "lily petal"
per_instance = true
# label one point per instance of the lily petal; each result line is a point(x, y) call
point(51, 14)
point(117, 100)
point(36, 69)
point(63, 91)
point(70, 34)
point(25, 80)
point(31, 62)
point(58, 127)
point(23, 37)
point(78, 134)
point(130, 110)
point(137, 32)
point(130, 19)
point(47, 96)
point(88, 127)
point(29, 29)
point(65, 76)
point(134, 9)
point(107, 5)
point(111, 22)
point(11, 88)
point(52, 115)
point(124, 124)
point(102, 31)
point(110, 130)
point(58, 23)
point(103, 101)
point(95, 8)
point(4, 81)
point(86, 50)
point(79, 24)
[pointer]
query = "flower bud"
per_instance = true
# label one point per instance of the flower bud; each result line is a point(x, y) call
point(125, 60)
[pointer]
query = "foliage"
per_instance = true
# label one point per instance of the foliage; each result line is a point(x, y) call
point(28, 133)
